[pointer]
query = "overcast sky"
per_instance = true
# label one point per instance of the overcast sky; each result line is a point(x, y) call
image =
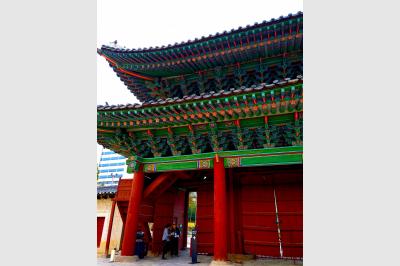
point(140, 24)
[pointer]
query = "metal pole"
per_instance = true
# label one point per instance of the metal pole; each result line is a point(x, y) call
point(278, 225)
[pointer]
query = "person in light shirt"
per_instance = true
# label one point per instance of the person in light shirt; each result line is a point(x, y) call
point(166, 240)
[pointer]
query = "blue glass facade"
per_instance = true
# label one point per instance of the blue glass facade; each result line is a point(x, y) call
point(111, 164)
point(113, 158)
point(111, 168)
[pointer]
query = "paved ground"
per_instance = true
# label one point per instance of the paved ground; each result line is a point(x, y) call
point(184, 259)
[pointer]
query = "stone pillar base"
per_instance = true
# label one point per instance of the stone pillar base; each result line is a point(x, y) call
point(221, 263)
point(120, 258)
point(240, 258)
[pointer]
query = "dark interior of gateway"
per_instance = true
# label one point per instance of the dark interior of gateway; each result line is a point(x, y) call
point(265, 209)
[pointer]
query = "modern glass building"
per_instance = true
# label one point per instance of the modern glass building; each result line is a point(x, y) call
point(111, 168)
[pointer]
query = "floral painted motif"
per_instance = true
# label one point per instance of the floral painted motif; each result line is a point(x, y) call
point(233, 162)
point(204, 164)
point(150, 168)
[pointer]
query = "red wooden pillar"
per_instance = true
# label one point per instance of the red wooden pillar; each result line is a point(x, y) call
point(232, 216)
point(128, 245)
point(220, 211)
point(110, 224)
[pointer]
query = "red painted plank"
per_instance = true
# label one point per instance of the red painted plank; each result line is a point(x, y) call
point(100, 224)
point(205, 219)
point(259, 229)
point(290, 209)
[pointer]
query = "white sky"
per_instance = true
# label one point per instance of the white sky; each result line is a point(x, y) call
point(140, 24)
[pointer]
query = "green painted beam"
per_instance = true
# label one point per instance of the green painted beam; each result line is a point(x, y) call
point(272, 160)
point(245, 161)
point(176, 166)
point(242, 158)
point(211, 155)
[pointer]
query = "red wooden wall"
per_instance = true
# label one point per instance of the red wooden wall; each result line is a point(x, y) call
point(100, 224)
point(290, 211)
point(259, 229)
point(204, 219)
point(163, 214)
point(179, 210)
point(258, 226)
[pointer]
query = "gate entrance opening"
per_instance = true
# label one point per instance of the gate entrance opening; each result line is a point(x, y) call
point(192, 210)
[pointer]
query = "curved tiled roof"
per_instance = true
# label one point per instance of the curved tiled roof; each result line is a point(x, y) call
point(212, 94)
point(195, 65)
point(203, 38)
point(106, 191)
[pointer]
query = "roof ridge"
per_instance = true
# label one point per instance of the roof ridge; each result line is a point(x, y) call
point(202, 38)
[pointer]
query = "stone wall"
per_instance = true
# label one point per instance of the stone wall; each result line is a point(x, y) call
point(104, 210)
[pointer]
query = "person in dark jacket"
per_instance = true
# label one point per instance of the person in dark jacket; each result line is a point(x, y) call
point(174, 236)
point(140, 247)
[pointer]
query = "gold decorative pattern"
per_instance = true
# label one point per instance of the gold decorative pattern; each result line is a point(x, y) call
point(150, 168)
point(233, 162)
point(204, 164)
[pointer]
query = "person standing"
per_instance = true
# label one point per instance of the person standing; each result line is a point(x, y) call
point(140, 245)
point(166, 240)
point(175, 234)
